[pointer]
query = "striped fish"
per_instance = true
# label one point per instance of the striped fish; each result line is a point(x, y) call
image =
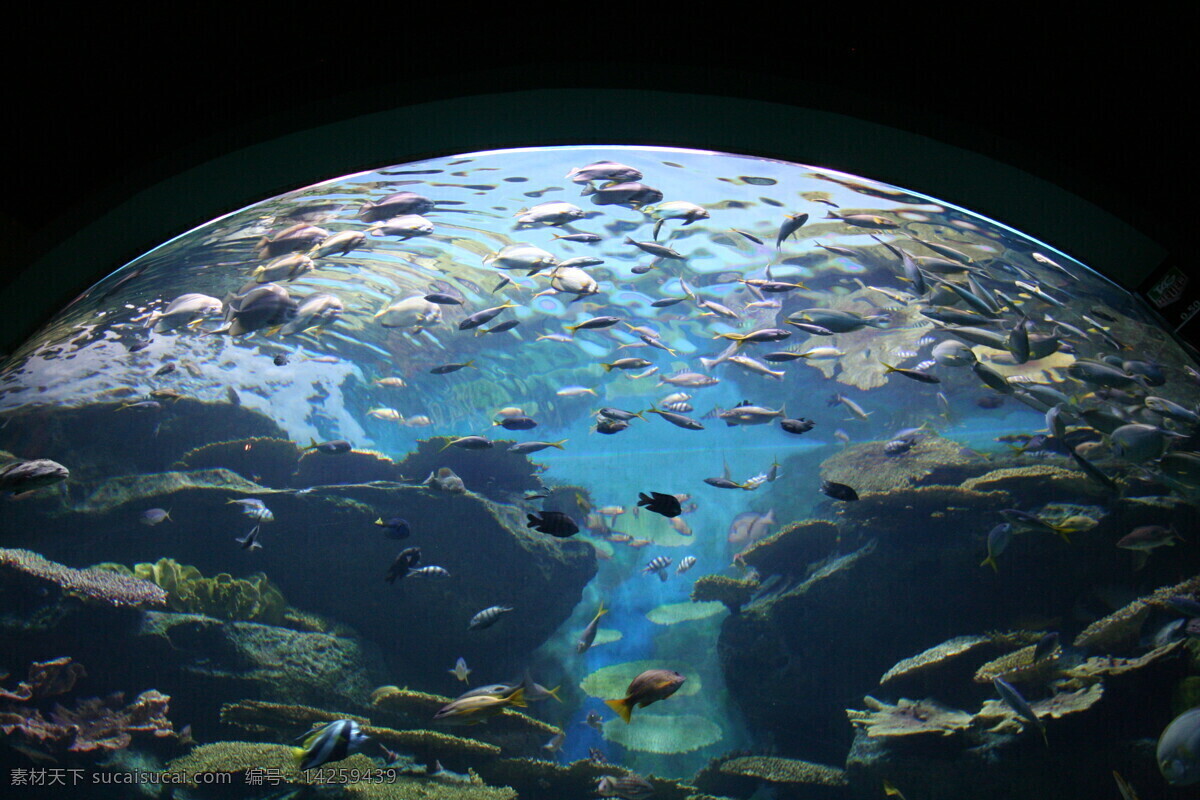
point(487, 618)
point(659, 567)
point(333, 742)
point(682, 407)
point(686, 564)
point(430, 572)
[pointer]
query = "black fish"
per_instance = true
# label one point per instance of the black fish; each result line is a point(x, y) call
point(507, 325)
point(333, 447)
point(408, 558)
point(618, 414)
point(517, 423)
point(280, 360)
point(838, 491)
point(446, 369)
point(165, 369)
point(790, 225)
point(250, 540)
point(666, 504)
point(809, 327)
point(444, 299)
point(394, 528)
point(1045, 646)
point(554, 523)
point(667, 301)
point(610, 426)
point(797, 426)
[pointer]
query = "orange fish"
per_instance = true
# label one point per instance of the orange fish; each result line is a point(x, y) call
point(680, 525)
point(649, 687)
point(639, 543)
point(619, 538)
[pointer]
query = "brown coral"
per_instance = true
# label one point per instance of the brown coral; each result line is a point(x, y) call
point(1122, 627)
point(46, 679)
point(785, 770)
point(734, 593)
point(908, 718)
point(932, 459)
point(998, 717)
point(91, 584)
point(1019, 667)
point(934, 656)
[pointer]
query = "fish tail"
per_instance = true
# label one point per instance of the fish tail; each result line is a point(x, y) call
point(559, 444)
point(991, 562)
point(470, 363)
point(572, 329)
point(554, 693)
point(888, 367)
point(623, 707)
point(298, 754)
point(1061, 533)
point(644, 499)
point(517, 698)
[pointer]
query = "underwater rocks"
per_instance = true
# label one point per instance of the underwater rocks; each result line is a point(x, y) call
point(322, 546)
point(841, 601)
point(268, 461)
point(493, 472)
point(205, 662)
point(99, 440)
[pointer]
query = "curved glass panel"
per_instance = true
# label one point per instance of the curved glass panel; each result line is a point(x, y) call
point(714, 438)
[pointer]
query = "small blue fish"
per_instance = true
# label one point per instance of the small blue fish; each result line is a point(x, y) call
point(154, 516)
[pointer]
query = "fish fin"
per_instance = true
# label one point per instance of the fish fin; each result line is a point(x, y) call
point(991, 562)
point(644, 499)
point(554, 693)
point(298, 754)
point(559, 444)
point(1061, 533)
point(517, 698)
point(622, 707)
point(607, 367)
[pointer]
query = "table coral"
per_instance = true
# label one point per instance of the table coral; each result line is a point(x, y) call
point(97, 585)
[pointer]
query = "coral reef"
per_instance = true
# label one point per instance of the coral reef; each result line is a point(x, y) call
point(675, 613)
point(251, 599)
point(663, 733)
point(1036, 484)
point(733, 592)
point(996, 716)
point(101, 586)
point(785, 770)
point(791, 549)
point(934, 657)
point(264, 460)
point(91, 725)
point(1121, 628)
point(933, 459)
point(612, 681)
point(516, 732)
point(235, 660)
point(908, 718)
point(1019, 667)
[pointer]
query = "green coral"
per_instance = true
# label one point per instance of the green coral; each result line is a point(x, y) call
point(250, 599)
point(663, 733)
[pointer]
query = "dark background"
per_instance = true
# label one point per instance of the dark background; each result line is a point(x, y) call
point(93, 115)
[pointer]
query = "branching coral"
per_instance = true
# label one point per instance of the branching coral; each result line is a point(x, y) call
point(98, 585)
point(91, 725)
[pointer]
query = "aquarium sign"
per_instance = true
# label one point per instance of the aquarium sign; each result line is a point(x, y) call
point(1168, 288)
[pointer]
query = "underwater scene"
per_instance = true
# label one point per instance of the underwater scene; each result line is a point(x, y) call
point(581, 472)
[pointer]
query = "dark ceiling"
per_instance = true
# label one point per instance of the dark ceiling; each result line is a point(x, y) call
point(94, 118)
